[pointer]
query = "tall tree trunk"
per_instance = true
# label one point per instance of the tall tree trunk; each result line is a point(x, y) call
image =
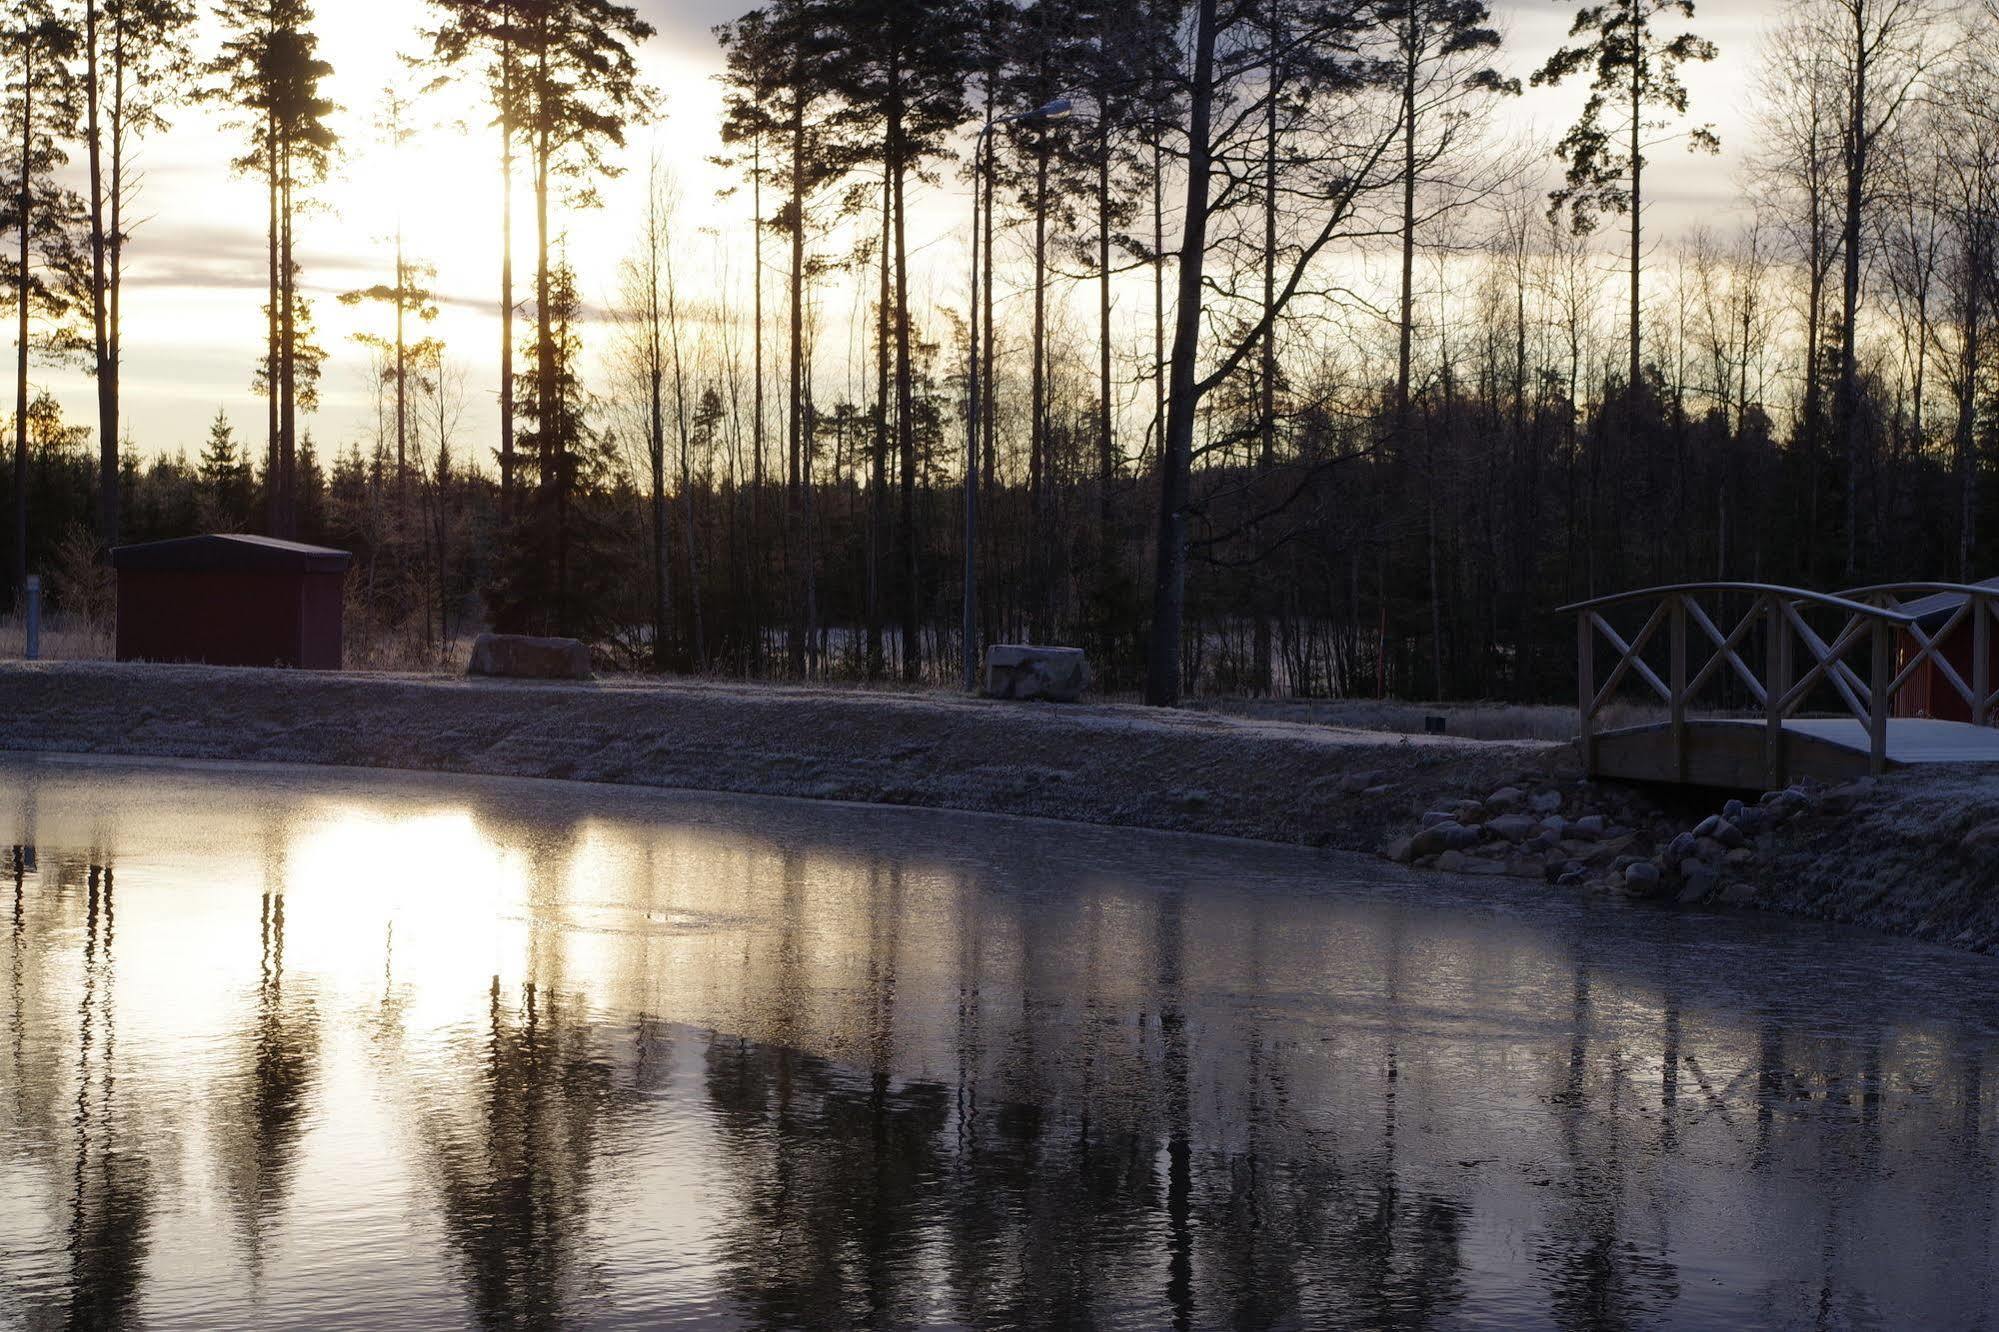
point(288, 353)
point(402, 384)
point(795, 402)
point(1967, 404)
point(1636, 370)
point(756, 403)
point(508, 481)
point(686, 477)
point(1849, 291)
point(273, 496)
point(878, 512)
point(552, 425)
point(101, 344)
point(1406, 321)
point(1159, 289)
point(22, 288)
point(1176, 452)
point(1266, 413)
point(112, 371)
point(905, 424)
point(989, 399)
point(1037, 453)
point(662, 608)
point(1107, 555)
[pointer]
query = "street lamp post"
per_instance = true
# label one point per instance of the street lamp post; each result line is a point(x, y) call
point(1040, 115)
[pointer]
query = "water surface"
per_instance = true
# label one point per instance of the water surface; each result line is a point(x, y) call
point(287, 1048)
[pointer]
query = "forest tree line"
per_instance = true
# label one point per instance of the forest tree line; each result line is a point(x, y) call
point(1302, 372)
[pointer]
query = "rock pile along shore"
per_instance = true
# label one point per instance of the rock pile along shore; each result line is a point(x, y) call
point(1615, 839)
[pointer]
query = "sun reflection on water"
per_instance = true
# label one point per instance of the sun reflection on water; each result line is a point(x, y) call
point(288, 1049)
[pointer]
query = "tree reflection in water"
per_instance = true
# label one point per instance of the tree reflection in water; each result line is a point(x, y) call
point(515, 1175)
point(261, 1112)
point(772, 1076)
point(112, 1192)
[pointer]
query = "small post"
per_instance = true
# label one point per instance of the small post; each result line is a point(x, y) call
point(1878, 701)
point(1586, 692)
point(1678, 703)
point(1981, 659)
point(1777, 683)
point(34, 609)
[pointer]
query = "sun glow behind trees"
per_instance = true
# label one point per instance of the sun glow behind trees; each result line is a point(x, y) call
point(862, 318)
point(195, 279)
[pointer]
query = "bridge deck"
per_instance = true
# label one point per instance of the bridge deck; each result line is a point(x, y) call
point(1728, 751)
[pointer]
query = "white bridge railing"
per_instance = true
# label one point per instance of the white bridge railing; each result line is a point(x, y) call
point(1829, 627)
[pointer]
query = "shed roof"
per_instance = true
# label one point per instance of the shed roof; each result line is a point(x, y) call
point(230, 552)
point(1935, 610)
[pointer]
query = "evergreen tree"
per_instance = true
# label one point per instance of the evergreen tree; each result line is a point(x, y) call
point(901, 70)
point(486, 36)
point(37, 42)
point(269, 67)
point(224, 472)
point(1634, 70)
point(136, 63)
point(555, 574)
point(580, 90)
point(789, 49)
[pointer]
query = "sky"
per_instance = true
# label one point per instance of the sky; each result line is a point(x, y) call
point(197, 267)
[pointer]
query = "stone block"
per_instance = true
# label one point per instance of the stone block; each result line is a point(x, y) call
point(1021, 670)
point(518, 656)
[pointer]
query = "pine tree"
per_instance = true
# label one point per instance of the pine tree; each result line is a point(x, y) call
point(487, 36)
point(788, 48)
point(37, 42)
point(136, 63)
point(1634, 70)
point(555, 573)
point(580, 90)
point(901, 71)
point(270, 68)
point(225, 476)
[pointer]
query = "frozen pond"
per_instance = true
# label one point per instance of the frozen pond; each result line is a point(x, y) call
point(310, 1049)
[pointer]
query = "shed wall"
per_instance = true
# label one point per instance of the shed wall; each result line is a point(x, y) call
point(1928, 693)
point(230, 619)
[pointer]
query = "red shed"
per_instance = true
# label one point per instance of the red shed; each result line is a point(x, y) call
point(1928, 693)
point(230, 600)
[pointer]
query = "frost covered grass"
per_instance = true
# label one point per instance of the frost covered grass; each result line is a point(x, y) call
point(67, 637)
point(403, 650)
point(63, 638)
point(1472, 721)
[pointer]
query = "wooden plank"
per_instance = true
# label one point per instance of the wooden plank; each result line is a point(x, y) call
point(1981, 661)
point(1726, 753)
point(1777, 655)
point(1586, 691)
point(1881, 694)
point(1678, 649)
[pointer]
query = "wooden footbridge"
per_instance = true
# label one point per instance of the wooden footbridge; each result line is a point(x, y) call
point(1800, 683)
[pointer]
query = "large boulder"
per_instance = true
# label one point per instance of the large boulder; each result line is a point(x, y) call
point(1021, 670)
point(520, 657)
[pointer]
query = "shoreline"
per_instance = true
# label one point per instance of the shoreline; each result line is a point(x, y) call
point(1914, 854)
point(1117, 765)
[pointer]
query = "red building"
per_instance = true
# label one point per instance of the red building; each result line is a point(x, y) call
point(230, 600)
point(1928, 693)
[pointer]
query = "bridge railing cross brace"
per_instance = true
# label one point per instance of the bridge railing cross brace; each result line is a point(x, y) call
point(1875, 615)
